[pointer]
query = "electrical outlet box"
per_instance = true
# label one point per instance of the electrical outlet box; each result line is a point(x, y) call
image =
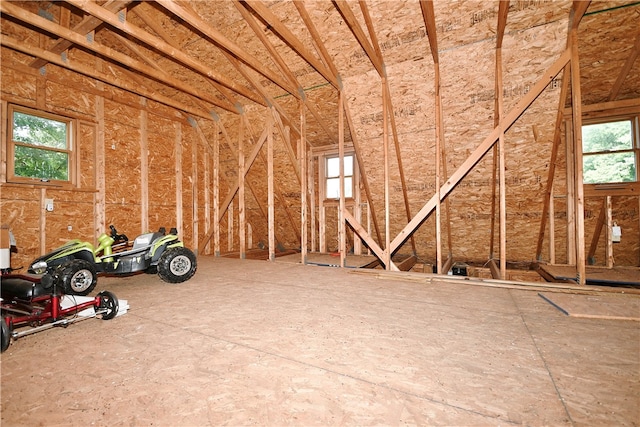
point(48, 205)
point(616, 233)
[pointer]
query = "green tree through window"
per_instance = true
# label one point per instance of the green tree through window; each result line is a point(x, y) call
point(608, 153)
point(40, 147)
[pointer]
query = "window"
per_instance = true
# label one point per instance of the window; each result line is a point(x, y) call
point(39, 147)
point(610, 152)
point(332, 176)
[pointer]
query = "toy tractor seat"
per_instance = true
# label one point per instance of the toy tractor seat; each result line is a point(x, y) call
point(145, 240)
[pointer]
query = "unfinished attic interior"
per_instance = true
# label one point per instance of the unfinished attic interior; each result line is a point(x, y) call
point(463, 133)
point(493, 143)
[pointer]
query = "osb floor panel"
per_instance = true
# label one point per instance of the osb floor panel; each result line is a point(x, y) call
point(249, 342)
point(329, 260)
point(614, 306)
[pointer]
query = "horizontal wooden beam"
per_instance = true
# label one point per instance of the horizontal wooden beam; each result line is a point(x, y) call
point(91, 72)
point(164, 47)
point(88, 24)
point(30, 18)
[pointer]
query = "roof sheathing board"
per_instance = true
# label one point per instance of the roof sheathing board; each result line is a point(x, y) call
point(299, 67)
point(608, 31)
point(338, 39)
point(399, 29)
point(527, 54)
point(205, 51)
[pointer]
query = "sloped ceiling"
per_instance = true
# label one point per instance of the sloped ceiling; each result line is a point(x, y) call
point(218, 57)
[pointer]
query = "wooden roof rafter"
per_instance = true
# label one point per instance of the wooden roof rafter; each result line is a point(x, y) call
point(245, 72)
point(115, 56)
point(67, 63)
point(578, 9)
point(315, 38)
point(251, 21)
point(624, 71)
point(429, 17)
point(276, 108)
point(315, 35)
point(238, 65)
point(275, 56)
point(358, 32)
point(392, 119)
point(162, 46)
point(503, 12)
point(278, 28)
point(354, 138)
point(87, 25)
point(225, 44)
point(164, 35)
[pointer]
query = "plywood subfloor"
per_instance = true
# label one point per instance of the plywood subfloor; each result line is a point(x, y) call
point(249, 342)
point(595, 275)
point(329, 260)
point(613, 307)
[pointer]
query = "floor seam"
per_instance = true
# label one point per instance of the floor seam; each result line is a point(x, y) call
point(544, 361)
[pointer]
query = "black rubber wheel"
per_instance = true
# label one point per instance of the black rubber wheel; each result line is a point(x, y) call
point(78, 277)
point(153, 269)
point(108, 301)
point(6, 335)
point(177, 265)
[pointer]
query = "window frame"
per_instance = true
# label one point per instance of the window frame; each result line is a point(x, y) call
point(325, 177)
point(615, 188)
point(70, 150)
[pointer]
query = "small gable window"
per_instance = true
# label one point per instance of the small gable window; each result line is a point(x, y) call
point(332, 177)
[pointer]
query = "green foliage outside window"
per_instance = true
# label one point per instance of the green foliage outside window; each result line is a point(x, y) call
point(608, 153)
point(40, 147)
point(34, 163)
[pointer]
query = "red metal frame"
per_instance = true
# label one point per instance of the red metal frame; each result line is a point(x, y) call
point(41, 309)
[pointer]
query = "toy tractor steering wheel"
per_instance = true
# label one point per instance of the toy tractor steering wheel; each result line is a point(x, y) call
point(117, 238)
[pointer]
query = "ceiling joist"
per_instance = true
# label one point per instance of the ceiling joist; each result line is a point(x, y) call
point(87, 25)
point(115, 56)
point(93, 73)
point(164, 47)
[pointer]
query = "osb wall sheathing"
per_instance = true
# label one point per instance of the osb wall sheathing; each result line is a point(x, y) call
point(467, 65)
point(75, 213)
point(625, 215)
point(22, 207)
